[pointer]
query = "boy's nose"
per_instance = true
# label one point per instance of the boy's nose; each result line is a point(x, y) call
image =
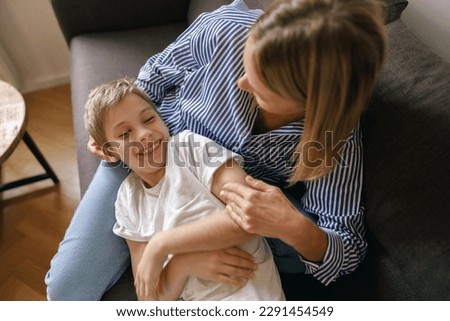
point(144, 133)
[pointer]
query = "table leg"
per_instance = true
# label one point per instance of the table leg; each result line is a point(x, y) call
point(37, 153)
point(49, 173)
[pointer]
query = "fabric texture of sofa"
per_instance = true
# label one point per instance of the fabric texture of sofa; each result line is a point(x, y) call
point(406, 132)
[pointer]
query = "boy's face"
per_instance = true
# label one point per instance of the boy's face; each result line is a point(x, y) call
point(138, 136)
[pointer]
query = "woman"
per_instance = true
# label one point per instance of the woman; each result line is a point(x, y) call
point(307, 73)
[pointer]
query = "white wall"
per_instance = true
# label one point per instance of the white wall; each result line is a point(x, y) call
point(33, 54)
point(430, 20)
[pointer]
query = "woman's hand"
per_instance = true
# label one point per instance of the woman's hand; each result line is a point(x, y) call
point(260, 208)
point(263, 209)
point(231, 266)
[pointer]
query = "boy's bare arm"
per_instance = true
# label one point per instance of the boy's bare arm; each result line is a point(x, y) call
point(216, 231)
point(164, 289)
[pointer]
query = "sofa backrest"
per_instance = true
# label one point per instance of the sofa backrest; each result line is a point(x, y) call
point(196, 7)
point(87, 16)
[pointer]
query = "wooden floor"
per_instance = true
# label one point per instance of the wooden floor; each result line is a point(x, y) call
point(33, 218)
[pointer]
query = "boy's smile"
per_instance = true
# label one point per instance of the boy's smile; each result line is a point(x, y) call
point(151, 149)
point(137, 135)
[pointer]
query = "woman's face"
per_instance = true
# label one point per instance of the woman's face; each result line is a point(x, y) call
point(267, 99)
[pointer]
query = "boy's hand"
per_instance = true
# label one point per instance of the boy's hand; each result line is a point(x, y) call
point(95, 149)
point(148, 273)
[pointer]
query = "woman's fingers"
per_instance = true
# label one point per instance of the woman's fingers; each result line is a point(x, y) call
point(258, 208)
point(237, 216)
point(237, 267)
point(240, 196)
point(229, 266)
point(237, 252)
point(237, 258)
point(257, 184)
point(230, 280)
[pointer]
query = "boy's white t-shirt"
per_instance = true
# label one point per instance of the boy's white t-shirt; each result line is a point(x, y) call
point(184, 195)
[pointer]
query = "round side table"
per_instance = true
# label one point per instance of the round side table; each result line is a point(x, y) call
point(13, 118)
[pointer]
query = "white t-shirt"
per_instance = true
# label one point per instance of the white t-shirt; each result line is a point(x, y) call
point(184, 195)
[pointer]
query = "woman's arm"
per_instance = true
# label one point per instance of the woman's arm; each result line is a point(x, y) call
point(333, 246)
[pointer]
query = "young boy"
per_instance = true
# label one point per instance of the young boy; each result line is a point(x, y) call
point(174, 181)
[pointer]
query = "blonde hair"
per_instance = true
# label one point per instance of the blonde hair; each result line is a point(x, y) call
point(327, 55)
point(103, 98)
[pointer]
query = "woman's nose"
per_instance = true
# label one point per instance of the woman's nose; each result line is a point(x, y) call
point(244, 84)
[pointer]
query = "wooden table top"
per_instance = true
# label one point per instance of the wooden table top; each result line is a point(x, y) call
point(12, 119)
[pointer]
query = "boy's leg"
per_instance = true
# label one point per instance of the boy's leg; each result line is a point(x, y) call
point(91, 258)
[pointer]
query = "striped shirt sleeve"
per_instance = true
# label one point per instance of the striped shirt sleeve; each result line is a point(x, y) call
point(337, 200)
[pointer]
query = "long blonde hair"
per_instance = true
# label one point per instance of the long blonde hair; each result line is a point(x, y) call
point(325, 54)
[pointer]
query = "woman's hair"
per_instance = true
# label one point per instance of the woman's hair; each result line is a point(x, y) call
point(103, 98)
point(327, 55)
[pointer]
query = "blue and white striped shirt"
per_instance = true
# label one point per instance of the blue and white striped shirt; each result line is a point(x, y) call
point(193, 82)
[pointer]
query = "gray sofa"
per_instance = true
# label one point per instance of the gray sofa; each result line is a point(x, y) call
point(406, 134)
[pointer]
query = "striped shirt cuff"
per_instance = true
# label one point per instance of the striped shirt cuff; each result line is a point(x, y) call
point(328, 270)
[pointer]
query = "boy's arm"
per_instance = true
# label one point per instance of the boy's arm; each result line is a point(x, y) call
point(230, 266)
point(171, 282)
point(216, 231)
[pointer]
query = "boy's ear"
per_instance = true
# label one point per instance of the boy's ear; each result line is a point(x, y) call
point(109, 151)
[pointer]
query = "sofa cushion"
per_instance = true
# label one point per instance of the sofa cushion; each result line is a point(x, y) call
point(406, 150)
point(101, 57)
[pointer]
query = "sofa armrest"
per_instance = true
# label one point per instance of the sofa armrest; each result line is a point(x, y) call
point(86, 16)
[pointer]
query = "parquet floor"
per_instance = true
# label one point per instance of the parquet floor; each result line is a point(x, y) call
point(33, 218)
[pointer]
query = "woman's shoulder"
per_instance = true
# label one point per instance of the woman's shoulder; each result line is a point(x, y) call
point(236, 12)
point(222, 25)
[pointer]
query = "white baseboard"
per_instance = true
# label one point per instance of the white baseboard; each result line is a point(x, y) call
point(44, 82)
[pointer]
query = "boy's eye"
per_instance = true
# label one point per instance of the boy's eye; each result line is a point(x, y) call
point(124, 134)
point(149, 119)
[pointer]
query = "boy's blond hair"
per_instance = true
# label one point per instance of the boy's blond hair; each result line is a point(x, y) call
point(103, 98)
